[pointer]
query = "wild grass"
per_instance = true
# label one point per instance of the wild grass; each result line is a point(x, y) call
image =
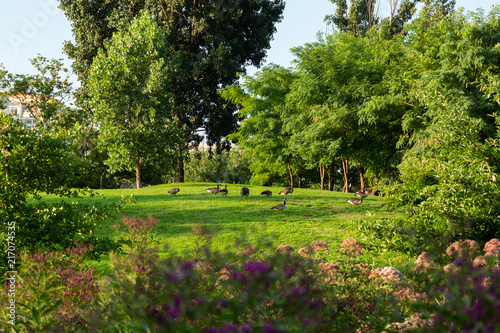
point(238, 221)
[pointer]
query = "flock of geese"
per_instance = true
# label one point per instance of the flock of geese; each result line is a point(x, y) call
point(246, 192)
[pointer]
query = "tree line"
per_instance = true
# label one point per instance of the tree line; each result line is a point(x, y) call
point(406, 101)
point(413, 112)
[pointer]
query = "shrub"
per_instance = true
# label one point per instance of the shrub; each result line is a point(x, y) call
point(35, 161)
point(466, 291)
point(449, 182)
point(213, 292)
point(53, 292)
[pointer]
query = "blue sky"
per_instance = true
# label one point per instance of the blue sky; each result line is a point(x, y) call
point(30, 27)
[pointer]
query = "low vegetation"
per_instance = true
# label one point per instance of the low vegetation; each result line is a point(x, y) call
point(198, 262)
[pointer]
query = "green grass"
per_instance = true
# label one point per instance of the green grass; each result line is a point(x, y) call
point(311, 215)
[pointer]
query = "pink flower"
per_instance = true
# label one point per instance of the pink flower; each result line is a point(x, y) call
point(284, 249)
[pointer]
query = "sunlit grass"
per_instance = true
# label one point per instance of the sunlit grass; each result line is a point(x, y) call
point(239, 221)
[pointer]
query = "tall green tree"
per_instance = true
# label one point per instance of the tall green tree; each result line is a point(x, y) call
point(262, 133)
point(213, 41)
point(338, 100)
point(128, 85)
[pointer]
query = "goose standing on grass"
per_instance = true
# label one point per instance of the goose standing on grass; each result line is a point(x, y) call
point(213, 190)
point(223, 191)
point(266, 193)
point(286, 191)
point(355, 201)
point(280, 207)
point(174, 191)
point(362, 193)
point(245, 192)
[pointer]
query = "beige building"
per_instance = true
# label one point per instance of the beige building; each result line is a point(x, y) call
point(13, 107)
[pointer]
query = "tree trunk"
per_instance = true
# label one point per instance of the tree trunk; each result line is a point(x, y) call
point(362, 178)
point(179, 173)
point(179, 168)
point(138, 172)
point(291, 174)
point(345, 174)
point(330, 177)
point(101, 181)
point(300, 180)
point(322, 176)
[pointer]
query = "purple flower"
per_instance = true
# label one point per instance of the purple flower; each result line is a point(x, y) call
point(289, 273)
point(299, 290)
point(186, 268)
point(315, 304)
point(268, 328)
point(175, 312)
point(224, 303)
point(256, 267)
point(231, 327)
point(245, 328)
point(173, 277)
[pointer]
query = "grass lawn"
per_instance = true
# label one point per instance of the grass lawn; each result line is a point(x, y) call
point(240, 221)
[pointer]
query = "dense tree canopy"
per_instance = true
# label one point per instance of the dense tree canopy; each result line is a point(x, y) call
point(418, 111)
point(211, 40)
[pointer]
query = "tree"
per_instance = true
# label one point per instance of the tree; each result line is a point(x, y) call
point(128, 86)
point(212, 41)
point(339, 120)
point(45, 95)
point(262, 133)
point(359, 16)
point(448, 177)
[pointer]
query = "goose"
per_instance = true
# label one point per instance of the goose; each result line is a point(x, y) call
point(280, 207)
point(174, 191)
point(213, 190)
point(267, 193)
point(286, 191)
point(355, 201)
point(362, 193)
point(223, 191)
point(245, 192)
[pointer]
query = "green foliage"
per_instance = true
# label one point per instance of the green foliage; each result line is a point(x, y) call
point(451, 182)
point(212, 41)
point(35, 161)
point(388, 235)
point(45, 95)
point(128, 85)
point(224, 167)
point(53, 292)
point(263, 134)
point(357, 17)
point(449, 174)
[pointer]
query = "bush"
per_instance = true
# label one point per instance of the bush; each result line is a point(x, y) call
point(35, 161)
point(253, 292)
point(246, 292)
point(449, 183)
point(54, 292)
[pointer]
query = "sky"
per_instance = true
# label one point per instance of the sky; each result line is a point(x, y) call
point(32, 27)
